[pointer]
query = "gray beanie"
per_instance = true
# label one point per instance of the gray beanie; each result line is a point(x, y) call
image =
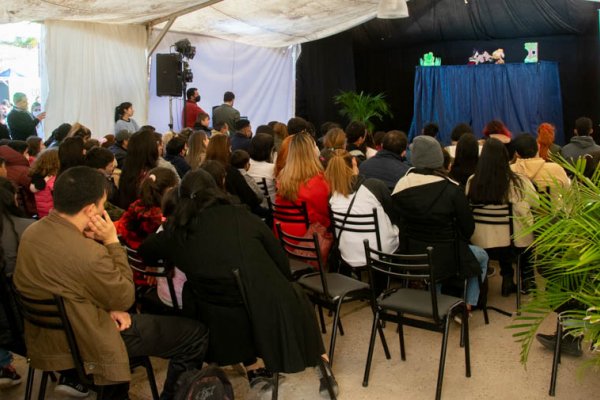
point(426, 152)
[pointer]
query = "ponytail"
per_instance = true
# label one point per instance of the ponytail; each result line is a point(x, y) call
point(120, 109)
point(154, 185)
point(339, 172)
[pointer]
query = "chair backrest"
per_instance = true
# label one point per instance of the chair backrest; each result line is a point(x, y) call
point(357, 223)
point(51, 314)
point(494, 215)
point(295, 214)
point(407, 267)
point(13, 317)
point(262, 184)
point(305, 250)
point(162, 270)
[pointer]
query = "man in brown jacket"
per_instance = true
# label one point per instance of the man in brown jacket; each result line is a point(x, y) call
point(74, 252)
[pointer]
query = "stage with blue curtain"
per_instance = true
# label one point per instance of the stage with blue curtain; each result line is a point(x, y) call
point(520, 95)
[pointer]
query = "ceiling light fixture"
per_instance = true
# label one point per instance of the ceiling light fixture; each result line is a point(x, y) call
point(390, 9)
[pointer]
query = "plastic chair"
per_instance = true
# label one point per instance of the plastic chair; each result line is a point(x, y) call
point(325, 289)
point(262, 184)
point(51, 314)
point(429, 310)
point(295, 215)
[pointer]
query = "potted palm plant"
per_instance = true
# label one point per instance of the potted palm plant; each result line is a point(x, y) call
point(567, 251)
point(363, 107)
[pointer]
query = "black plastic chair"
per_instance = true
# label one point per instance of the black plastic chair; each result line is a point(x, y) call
point(501, 216)
point(275, 392)
point(295, 215)
point(159, 271)
point(51, 314)
point(15, 322)
point(262, 184)
point(325, 289)
point(429, 310)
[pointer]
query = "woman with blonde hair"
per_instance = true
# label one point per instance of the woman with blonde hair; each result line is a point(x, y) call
point(545, 140)
point(335, 138)
point(197, 144)
point(302, 181)
point(355, 194)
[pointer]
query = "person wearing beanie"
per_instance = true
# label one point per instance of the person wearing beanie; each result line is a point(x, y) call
point(430, 209)
point(243, 135)
point(545, 141)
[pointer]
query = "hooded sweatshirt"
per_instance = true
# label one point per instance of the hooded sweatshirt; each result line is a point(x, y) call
point(579, 146)
point(543, 174)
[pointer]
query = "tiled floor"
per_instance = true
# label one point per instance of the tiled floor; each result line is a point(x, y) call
point(496, 371)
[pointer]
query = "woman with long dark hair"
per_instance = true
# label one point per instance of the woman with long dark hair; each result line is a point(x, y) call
point(465, 159)
point(142, 156)
point(495, 184)
point(71, 153)
point(123, 118)
point(208, 238)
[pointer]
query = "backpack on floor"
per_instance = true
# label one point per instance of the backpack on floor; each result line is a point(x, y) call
point(209, 383)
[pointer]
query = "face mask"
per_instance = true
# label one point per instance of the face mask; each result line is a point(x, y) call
point(197, 99)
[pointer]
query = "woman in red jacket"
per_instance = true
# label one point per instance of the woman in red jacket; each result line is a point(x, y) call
point(302, 180)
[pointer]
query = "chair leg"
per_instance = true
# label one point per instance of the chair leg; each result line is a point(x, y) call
point(371, 347)
point(151, 378)
point(329, 380)
point(340, 327)
point(322, 320)
point(43, 383)
point(401, 338)
point(465, 335)
point(386, 350)
point(518, 285)
point(484, 306)
point(438, 390)
point(275, 392)
point(29, 383)
point(556, 358)
point(336, 319)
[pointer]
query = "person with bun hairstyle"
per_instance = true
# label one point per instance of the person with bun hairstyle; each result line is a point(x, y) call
point(545, 141)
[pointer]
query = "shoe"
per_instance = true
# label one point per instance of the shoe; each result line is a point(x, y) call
point(508, 286)
point(458, 317)
point(71, 387)
point(9, 376)
point(491, 271)
point(569, 345)
point(259, 375)
point(323, 381)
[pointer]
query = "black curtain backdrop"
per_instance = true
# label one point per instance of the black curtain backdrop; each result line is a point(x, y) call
point(381, 55)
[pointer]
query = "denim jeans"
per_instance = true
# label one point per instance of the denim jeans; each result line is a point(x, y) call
point(473, 283)
point(5, 358)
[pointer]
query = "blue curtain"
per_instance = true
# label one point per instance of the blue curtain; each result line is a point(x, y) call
point(520, 95)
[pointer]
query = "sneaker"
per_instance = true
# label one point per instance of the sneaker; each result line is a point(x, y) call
point(9, 376)
point(569, 345)
point(458, 317)
point(323, 381)
point(71, 387)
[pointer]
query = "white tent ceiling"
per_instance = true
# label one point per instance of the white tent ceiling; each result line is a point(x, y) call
point(269, 23)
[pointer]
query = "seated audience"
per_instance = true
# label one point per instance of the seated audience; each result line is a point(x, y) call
point(387, 165)
point(35, 146)
point(43, 173)
point(243, 133)
point(203, 123)
point(430, 129)
point(280, 132)
point(92, 275)
point(104, 161)
point(430, 209)
point(455, 135)
point(261, 162)
point(119, 149)
point(12, 224)
point(142, 156)
point(334, 139)
point(302, 181)
point(220, 128)
point(108, 140)
point(3, 171)
point(17, 171)
point(81, 131)
point(497, 130)
point(544, 175)
point(240, 159)
point(355, 138)
point(71, 153)
point(355, 194)
point(205, 226)
point(58, 135)
point(176, 149)
point(494, 183)
point(370, 147)
point(582, 142)
point(196, 153)
point(465, 159)
point(545, 141)
point(161, 143)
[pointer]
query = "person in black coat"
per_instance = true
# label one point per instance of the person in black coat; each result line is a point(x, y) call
point(208, 238)
point(21, 122)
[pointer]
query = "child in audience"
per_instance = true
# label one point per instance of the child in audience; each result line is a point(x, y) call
point(197, 144)
point(144, 215)
point(43, 173)
point(240, 159)
point(35, 146)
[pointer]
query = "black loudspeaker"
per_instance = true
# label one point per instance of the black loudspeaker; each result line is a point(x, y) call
point(168, 75)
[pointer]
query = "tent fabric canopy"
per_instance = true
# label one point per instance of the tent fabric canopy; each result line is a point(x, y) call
point(267, 23)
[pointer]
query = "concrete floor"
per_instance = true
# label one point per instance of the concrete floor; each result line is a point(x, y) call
point(496, 371)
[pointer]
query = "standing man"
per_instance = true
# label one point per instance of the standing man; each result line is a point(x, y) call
point(192, 109)
point(225, 112)
point(4, 107)
point(75, 253)
point(21, 122)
